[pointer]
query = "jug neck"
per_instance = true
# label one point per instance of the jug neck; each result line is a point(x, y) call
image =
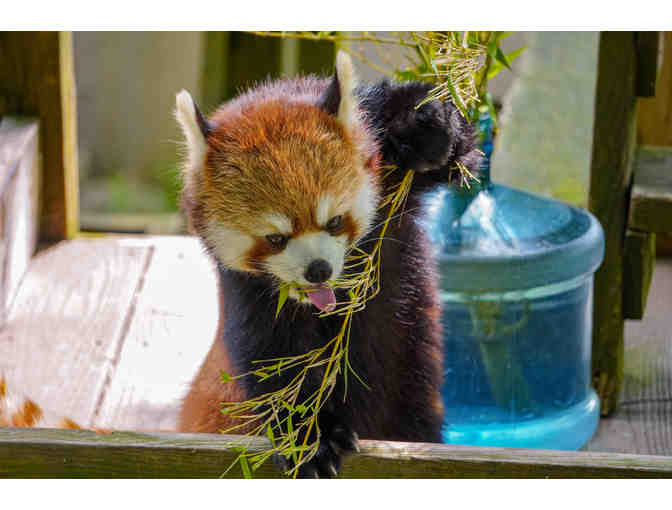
point(461, 195)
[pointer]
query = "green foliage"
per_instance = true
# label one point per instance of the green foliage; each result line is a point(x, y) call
point(458, 63)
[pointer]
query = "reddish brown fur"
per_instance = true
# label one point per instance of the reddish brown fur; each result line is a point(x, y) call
point(274, 151)
point(200, 410)
point(280, 159)
point(350, 227)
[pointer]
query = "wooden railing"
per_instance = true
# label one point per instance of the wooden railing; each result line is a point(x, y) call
point(47, 453)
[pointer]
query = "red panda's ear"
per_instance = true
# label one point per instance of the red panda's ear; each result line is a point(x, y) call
point(195, 127)
point(339, 98)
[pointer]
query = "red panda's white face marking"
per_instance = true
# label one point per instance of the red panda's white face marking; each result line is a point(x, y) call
point(292, 263)
point(338, 223)
point(281, 223)
point(230, 245)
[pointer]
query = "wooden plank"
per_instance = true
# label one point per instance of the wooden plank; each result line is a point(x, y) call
point(235, 60)
point(251, 59)
point(19, 201)
point(639, 257)
point(654, 123)
point(651, 199)
point(647, 62)
point(611, 170)
point(26, 453)
point(642, 424)
point(214, 82)
point(168, 338)
point(37, 79)
point(664, 244)
point(152, 224)
point(66, 324)
point(316, 57)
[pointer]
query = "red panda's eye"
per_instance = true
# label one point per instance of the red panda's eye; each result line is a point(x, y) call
point(277, 240)
point(334, 224)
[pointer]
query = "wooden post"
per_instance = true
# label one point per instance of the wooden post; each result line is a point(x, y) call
point(214, 71)
point(19, 203)
point(37, 79)
point(235, 60)
point(654, 123)
point(639, 257)
point(611, 170)
point(654, 120)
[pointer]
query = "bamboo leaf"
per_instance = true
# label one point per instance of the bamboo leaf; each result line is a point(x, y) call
point(502, 35)
point(269, 434)
point(245, 467)
point(496, 66)
point(225, 377)
point(282, 298)
point(495, 53)
point(492, 50)
point(491, 110)
point(502, 58)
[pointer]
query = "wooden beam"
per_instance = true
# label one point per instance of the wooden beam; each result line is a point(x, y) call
point(647, 62)
point(52, 453)
point(654, 125)
point(611, 170)
point(37, 79)
point(233, 61)
point(251, 59)
point(639, 258)
point(214, 75)
point(316, 57)
point(651, 199)
point(19, 203)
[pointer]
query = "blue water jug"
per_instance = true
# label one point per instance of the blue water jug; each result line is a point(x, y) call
point(516, 280)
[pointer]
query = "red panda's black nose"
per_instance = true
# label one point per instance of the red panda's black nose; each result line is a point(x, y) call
point(318, 271)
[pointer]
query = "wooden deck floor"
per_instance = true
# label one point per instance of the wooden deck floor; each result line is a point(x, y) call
point(109, 332)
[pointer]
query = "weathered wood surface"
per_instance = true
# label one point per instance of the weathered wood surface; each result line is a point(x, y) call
point(19, 201)
point(171, 330)
point(214, 87)
point(642, 424)
point(44, 453)
point(651, 200)
point(648, 44)
point(654, 124)
point(611, 170)
point(37, 79)
point(61, 341)
point(243, 59)
point(151, 224)
point(109, 332)
point(639, 259)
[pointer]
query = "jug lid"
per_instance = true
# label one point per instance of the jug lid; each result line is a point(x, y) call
point(497, 238)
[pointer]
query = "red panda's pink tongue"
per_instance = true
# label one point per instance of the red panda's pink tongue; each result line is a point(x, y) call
point(323, 298)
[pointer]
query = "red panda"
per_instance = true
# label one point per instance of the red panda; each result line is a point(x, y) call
point(279, 183)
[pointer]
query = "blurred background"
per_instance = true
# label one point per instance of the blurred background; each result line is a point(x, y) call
point(129, 143)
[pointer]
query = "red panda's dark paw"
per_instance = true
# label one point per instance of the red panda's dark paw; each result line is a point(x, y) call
point(327, 461)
